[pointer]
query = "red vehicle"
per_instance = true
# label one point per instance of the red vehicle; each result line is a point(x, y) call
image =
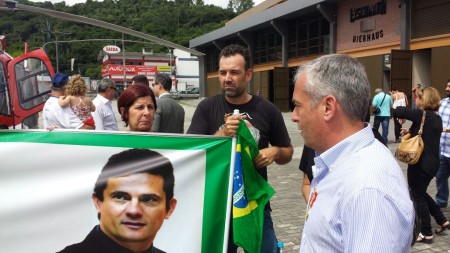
point(25, 85)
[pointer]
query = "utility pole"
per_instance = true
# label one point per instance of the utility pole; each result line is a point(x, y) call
point(48, 31)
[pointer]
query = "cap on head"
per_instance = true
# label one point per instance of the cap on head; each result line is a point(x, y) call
point(59, 80)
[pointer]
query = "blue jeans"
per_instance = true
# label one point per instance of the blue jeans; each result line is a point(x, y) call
point(269, 240)
point(384, 120)
point(442, 181)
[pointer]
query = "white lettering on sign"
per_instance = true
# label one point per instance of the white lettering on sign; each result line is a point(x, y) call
point(111, 49)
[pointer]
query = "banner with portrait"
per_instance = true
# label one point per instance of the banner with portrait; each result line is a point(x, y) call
point(47, 178)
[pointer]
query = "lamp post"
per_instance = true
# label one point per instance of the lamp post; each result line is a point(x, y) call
point(57, 53)
point(124, 65)
point(56, 45)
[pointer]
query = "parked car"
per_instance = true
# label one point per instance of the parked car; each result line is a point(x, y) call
point(174, 94)
point(195, 90)
point(189, 93)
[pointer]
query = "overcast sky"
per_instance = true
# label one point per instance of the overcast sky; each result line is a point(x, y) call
point(222, 3)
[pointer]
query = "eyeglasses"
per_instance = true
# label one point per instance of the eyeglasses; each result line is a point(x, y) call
point(154, 84)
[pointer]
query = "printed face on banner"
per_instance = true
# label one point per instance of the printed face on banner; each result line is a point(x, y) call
point(133, 208)
point(52, 205)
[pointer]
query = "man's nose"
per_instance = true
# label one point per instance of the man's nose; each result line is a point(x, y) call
point(133, 208)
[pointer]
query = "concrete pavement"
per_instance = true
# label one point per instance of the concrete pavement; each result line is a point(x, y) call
point(288, 205)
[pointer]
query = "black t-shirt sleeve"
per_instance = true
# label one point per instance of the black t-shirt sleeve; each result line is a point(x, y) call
point(199, 122)
point(307, 161)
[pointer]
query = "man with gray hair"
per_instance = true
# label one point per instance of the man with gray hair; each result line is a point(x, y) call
point(359, 197)
point(104, 116)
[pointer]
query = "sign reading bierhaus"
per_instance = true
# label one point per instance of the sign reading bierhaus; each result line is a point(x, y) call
point(367, 24)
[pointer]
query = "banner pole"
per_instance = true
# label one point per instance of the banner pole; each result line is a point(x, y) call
point(230, 193)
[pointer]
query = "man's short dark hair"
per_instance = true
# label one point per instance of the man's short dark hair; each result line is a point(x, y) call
point(234, 49)
point(134, 161)
point(141, 79)
point(165, 80)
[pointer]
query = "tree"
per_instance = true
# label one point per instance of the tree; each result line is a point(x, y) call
point(240, 6)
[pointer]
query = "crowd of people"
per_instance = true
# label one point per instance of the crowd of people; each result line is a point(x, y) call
point(354, 187)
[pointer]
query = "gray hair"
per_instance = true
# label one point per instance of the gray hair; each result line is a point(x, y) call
point(340, 76)
point(104, 84)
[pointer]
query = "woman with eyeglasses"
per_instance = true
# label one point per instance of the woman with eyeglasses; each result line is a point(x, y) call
point(137, 105)
point(420, 174)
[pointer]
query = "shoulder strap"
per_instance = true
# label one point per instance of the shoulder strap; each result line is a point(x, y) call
point(421, 124)
point(383, 99)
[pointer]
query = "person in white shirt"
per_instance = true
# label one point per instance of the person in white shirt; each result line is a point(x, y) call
point(359, 199)
point(104, 116)
point(55, 116)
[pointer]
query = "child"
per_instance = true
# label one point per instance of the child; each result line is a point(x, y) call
point(76, 98)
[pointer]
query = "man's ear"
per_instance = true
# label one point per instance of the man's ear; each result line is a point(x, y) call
point(248, 74)
point(97, 202)
point(329, 106)
point(172, 205)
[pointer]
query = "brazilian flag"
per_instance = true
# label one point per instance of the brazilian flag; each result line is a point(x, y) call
point(250, 194)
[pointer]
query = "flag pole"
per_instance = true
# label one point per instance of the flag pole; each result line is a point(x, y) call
point(230, 193)
point(230, 188)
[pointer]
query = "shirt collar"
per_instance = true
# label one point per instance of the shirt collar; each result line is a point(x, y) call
point(103, 99)
point(165, 95)
point(330, 159)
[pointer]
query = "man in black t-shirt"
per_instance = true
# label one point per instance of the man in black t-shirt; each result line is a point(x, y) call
point(211, 118)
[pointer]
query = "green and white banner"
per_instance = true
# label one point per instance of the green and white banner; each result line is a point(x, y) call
point(47, 180)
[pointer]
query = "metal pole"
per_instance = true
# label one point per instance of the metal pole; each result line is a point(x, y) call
point(124, 66)
point(170, 63)
point(57, 56)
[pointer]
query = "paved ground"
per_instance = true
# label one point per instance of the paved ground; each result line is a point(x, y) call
point(288, 204)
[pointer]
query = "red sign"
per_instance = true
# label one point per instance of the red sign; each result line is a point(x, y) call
point(115, 69)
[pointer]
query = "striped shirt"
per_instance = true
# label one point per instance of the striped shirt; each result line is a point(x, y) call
point(359, 200)
point(444, 112)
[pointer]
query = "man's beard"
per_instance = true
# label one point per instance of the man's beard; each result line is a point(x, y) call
point(233, 93)
point(448, 94)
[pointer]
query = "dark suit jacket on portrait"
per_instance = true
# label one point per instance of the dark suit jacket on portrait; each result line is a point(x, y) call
point(169, 116)
point(98, 242)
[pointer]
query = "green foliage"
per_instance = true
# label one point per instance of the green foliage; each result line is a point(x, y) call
point(177, 21)
point(240, 6)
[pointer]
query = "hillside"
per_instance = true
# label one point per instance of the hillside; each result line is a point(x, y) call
point(177, 21)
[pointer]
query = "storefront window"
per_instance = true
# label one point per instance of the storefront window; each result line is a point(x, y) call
point(309, 35)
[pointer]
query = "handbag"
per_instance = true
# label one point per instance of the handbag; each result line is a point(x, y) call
point(410, 149)
point(377, 110)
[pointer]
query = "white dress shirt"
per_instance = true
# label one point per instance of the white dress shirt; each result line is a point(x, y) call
point(56, 116)
point(104, 116)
